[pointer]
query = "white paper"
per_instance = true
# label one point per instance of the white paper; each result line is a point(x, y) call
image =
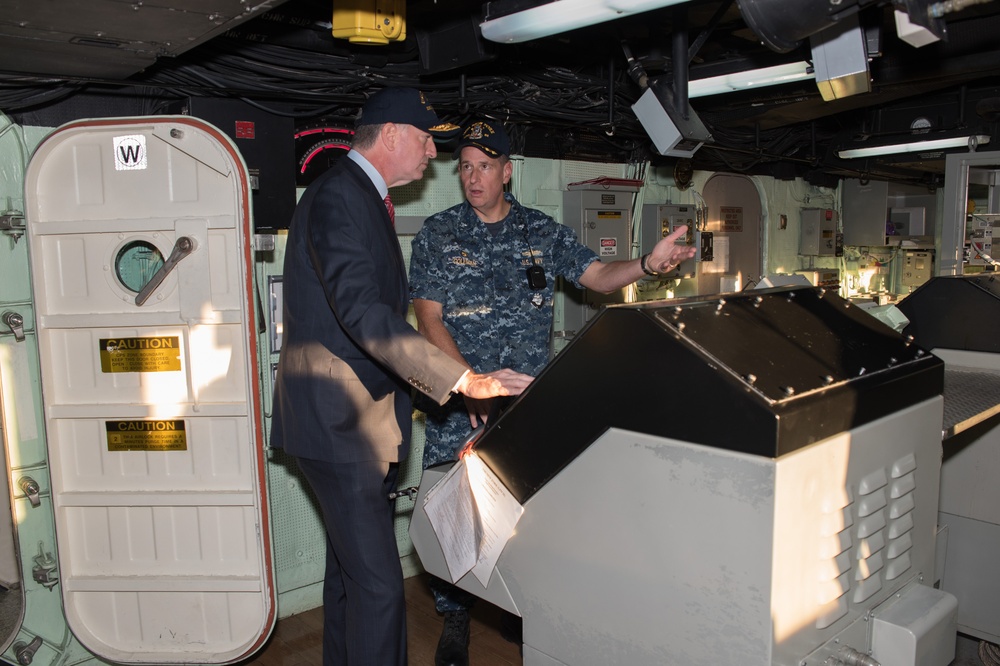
point(497, 511)
point(473, 516)
point(449, 509)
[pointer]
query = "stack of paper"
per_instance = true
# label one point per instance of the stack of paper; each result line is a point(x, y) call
point(473, 515)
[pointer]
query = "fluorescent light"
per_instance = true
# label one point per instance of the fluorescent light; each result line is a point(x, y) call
point(917, 146)
point(563, 15)
point(753, 78)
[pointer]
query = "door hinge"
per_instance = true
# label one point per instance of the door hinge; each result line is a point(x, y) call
point(44, 572)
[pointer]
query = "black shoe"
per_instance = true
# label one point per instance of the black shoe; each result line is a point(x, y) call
point(453, 648)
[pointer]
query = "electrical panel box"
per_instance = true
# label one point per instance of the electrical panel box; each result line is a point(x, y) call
point(877, 213)
point(659, 220)
point(917, 265)
point(865, 210)
point(267, 143)
point(819, 236)
point(979, 239)
point(602, 220)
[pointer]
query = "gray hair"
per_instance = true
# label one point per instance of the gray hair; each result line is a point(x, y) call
point(365, 136)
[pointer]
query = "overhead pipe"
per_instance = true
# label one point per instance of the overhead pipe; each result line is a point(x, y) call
point(635, 68)
point(679, 42)
point(961, 106)
point(611, 96)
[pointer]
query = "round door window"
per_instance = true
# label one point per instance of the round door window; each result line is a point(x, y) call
point(136, 263)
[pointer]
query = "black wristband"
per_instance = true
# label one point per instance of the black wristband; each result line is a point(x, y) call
point(642, 265)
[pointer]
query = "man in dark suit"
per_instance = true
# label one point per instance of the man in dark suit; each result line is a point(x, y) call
point(348, 362)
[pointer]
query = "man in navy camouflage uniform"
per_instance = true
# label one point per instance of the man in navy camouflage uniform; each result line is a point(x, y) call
point(473, 299)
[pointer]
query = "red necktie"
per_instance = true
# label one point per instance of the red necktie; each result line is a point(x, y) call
point(392, 211)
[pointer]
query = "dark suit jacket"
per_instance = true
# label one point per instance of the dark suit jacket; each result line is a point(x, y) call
point(348, 356)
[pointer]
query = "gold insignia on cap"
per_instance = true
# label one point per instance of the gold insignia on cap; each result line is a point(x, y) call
point(443, 127)
point(478, 130)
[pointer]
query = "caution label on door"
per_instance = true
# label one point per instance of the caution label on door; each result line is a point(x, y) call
point(146, 435)
point(152, 354)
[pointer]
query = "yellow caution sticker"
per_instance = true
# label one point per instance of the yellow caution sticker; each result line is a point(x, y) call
point(150, 354)
point(146, 435)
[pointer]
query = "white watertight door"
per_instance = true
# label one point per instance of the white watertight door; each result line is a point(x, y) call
point(139, 240)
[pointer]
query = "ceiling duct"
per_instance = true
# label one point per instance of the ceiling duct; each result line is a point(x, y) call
point(109, 38)
point(782, 26)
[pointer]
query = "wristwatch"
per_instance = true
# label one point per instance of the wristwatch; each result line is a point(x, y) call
point(645, 269)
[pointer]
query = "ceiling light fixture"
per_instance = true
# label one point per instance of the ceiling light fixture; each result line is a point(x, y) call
point(971, 142)
point(752, 78)
point(563, 15)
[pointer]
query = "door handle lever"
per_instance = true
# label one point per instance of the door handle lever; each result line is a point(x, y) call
point(15, 323)
point(182, 248)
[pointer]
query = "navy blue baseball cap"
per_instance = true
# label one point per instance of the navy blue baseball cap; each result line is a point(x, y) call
point(404, 106)
point(486, 135)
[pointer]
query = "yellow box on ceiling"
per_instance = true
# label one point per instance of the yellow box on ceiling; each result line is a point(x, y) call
point(370, 21)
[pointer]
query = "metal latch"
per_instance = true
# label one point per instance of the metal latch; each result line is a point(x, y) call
point(15, 323)
point(25, 653)
point(30, 489)
point(183, 246)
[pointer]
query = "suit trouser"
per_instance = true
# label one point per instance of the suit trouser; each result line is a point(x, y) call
point(364, 610)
